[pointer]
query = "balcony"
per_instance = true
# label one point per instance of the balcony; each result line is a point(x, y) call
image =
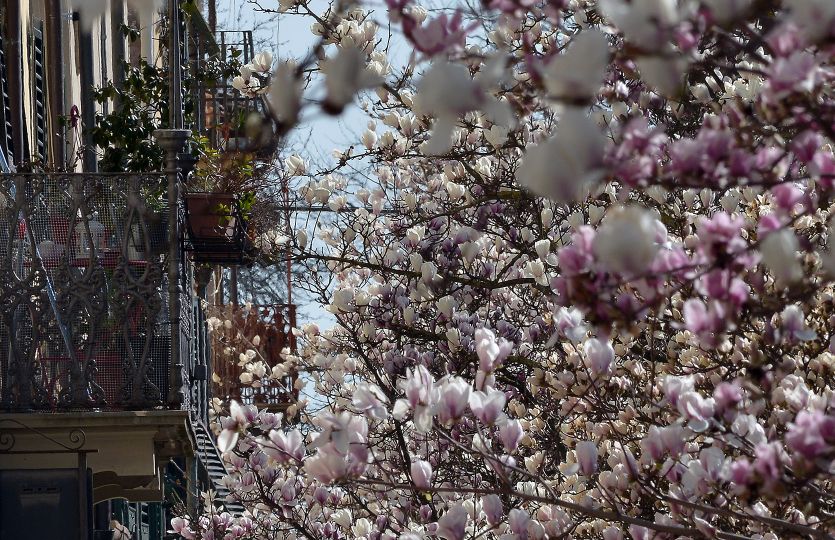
point(84, 318)
point(265, 330)
point(227, 113)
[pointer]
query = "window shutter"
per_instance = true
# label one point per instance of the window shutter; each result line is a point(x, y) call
point(38, 57)
point(6, 131)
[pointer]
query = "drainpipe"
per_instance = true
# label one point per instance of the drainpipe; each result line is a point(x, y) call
point(212, 16)
point(55, 40)
point(175, 91)
point(117, 18)
point(88, 106)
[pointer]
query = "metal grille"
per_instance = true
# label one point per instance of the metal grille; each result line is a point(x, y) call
point(83, 316)
point(40, 93)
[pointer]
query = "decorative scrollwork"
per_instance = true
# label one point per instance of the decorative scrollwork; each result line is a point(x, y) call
point(76, 437)
point(82, 319)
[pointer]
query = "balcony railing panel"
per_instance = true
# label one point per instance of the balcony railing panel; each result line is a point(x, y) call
point(267, 332)
point(83, 310)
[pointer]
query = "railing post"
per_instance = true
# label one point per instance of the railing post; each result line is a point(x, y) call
point(173, 141)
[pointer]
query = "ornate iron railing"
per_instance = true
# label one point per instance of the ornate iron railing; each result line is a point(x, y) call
point(84, 320)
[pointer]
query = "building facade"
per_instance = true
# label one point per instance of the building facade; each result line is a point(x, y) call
point(104, 357)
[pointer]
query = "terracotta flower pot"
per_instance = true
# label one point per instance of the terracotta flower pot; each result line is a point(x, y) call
point(209, 215)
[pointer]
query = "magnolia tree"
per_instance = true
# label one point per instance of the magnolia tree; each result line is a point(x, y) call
point(584, 289)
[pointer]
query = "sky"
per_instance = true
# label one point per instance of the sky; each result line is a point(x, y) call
point(289, 35)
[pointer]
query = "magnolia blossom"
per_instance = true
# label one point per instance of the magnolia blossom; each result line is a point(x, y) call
point(446, 91)
point(240, 416)
point(565, 166)
point(487, 406)
point(453, 524)
point(626, 242)
point(599, 356)
point(453, 397)
point(577, 73)
point(779, 251)
point(285, 93)
point(345, 75)
point(420, 398)
point(645, 23)
point(587, 457)
point(262, 63)
point(421, 472)
point(727, 10)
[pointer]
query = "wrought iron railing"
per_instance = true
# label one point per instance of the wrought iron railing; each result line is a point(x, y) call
point(84, 321)
point(265, 330)
point(222, 111)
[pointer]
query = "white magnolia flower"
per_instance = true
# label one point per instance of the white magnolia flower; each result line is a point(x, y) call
point(369, 139)
point(285, 93)
point(625, 242)
point(578, 72)
point(345, 75)
point(295, 165)
point(779, 251)
point(727, 10)
point(262, 62)
point(645, 23)
point(446, 92)
point(563, 167)
point(814, 17)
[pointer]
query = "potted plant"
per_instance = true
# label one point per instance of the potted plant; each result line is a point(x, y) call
point(154, 216)
point(220, 198)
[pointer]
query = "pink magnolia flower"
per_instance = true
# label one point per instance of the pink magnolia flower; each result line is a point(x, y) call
point(518, 521)
point(587, 457)
point(453, 524)
point(421, 472)
point(811, 434)
point(240, 417)
point(720, 233)
point(368, 398)
point(674, 387)
point(569, 322)
point(487, 406)
point(493, 509)
point(740, 472)
point(727, 394)
point(420, 397)
point(697, 410)
point(286, 446)
point(491, 351)
point(327, 465)
point(769, 461)
point(794, 325)
point(453, 398)
point(511, 434)
point(182, 526)
point(599, 356)
point(798, 72)
point(441, 34)
point(707, 323)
